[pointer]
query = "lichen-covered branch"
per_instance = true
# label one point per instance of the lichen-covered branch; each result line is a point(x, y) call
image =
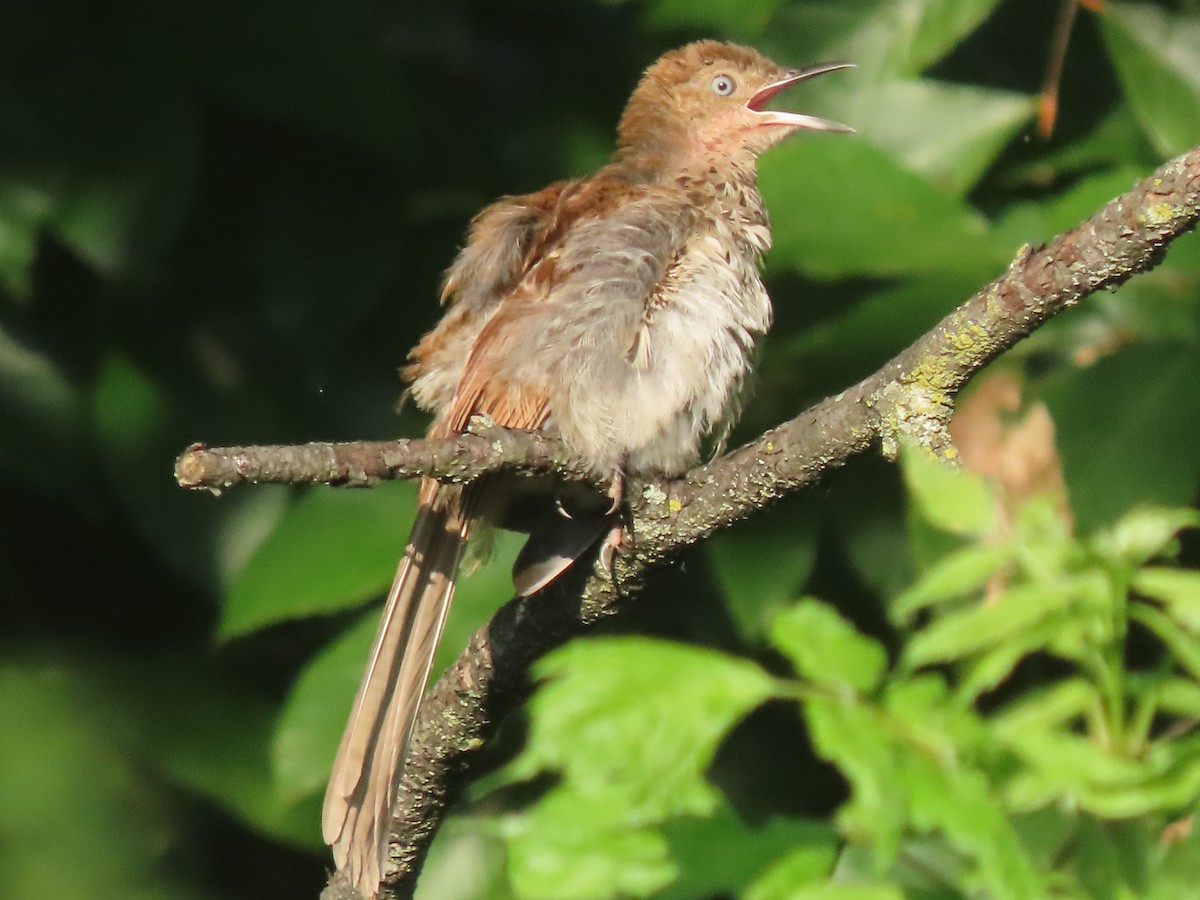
point(911, 398)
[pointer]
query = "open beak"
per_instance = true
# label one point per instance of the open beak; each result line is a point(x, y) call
point(791, 119)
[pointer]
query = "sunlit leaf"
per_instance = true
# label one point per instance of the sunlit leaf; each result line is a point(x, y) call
point(638, 719)
point(958, 574)
point(959, 802)
point(333, 549)
point(821, 191)
point(888, 39)
point(1183, 646)
point(313, 715)
point(576, 846)
point(984, 625)
point(962, 131)
point(1179, 589)
point(854, 739)
point(1157, 56)
point(994, 665)
point(631, 725)
point(315, 711)
point(1047, 707)
point(826, 648)
point(949, 499)
point(1144, 534)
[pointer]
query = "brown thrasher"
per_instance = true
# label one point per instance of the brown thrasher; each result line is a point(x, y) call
point(619, 312)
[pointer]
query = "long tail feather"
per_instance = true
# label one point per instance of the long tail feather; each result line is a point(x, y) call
point(362, 787)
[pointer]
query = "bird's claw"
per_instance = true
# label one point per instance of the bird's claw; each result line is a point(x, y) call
point(612, 541)
point(616, 492)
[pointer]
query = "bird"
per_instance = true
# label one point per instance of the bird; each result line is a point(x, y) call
point(618, 312)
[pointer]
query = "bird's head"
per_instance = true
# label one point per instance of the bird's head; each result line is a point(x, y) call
point(710, 100)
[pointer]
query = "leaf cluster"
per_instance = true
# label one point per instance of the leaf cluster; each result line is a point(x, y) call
point(1009, 747)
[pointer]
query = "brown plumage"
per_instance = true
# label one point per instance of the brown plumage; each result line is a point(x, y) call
point(619, 312)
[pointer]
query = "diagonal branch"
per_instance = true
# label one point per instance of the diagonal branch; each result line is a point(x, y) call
point(910, 398)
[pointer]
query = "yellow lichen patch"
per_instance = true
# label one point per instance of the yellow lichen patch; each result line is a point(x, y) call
point(674, 506)
point(1160, 214)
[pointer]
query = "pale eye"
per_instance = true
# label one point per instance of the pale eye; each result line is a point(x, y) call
point(723, 85)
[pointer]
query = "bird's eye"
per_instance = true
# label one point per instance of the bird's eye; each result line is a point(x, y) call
point(723, 85)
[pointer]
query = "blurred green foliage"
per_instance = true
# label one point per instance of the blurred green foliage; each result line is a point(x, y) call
point(227, 221)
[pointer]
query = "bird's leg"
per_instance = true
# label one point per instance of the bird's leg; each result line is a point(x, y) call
point(612, 540)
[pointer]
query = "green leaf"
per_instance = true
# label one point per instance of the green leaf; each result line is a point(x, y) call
point(1178, 589)
point(886, 39)
point(1170, 780)
point(762, 563)
point(797, 871)
point(1045, 708)
point(44, 416)
point(638, 720)
point(924, 32)
point(137, 433)
point(314, 713)
point(632, 726)
point(1157, 57)
point(929, 720)
point(822, 189)
point(854, 738)
point(332, 550)
point(1180, 697)
point(963, 128)
point(722, 855)
point(836, 891)
point(962, 572)
point(877, 326)
point(466, 862)
point(1125, 429)
point(982, 626)
point(202, 730)
point(994, 665)
point(577, 846)
point(1144, 534)
point(1183, 646)
point(946, 497)
point(1030, 223)
point(24, 209)
point(958, 801)
point(826, 648)
point(310, 723)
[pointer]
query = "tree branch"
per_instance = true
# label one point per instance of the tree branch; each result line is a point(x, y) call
point(909, 398)
point(485, 448)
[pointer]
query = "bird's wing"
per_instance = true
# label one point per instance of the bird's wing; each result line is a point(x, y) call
point(586, 284)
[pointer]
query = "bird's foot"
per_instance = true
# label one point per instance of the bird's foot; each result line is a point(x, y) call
point(608, 550)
